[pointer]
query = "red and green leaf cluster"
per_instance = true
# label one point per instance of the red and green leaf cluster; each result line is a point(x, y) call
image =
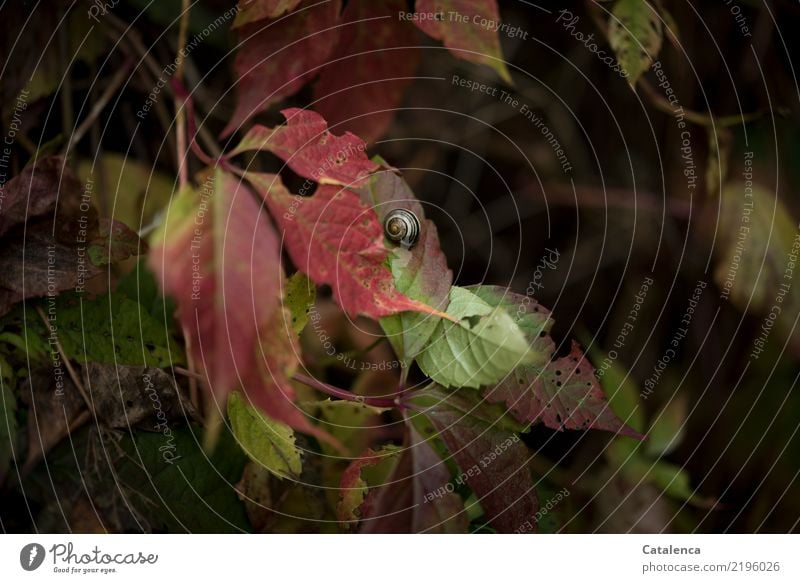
point(363, 57)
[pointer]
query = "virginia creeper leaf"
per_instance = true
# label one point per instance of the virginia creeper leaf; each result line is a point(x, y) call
point(481, 347)
point(268, 385)
point(491, 457)
point(635, 34)
point(466, 38)
point(337, 240)
point(415, 498)
point(264, 440)
point(370, 69)
point(420, 272)
point(254, 10)
point(276, 58)
point(218, 257)
point(205, 257)
point(313, 152)
point(562, 393)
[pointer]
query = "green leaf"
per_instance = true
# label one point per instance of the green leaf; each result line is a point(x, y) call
point(622, 393)
point(562, 393)
point(264, 440)
point(178, 487)
point(114, 329)
point(420, 272)
point(299, 295)
point(349, 422)
point(668, 429)
point(635, 34)
point(481, 348)
point(757, 240)
point(140, 284)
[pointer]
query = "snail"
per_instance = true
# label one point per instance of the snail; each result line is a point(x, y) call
point(402, 226)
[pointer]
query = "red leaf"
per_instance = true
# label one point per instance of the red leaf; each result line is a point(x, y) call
point(218, 257)
point(268, 386)
point(310, 150)
point(466, 38)
point(562, 393)
point(353, 486)
point(276, 58)
point(415, 499)
point(492, 459)
point(370, 69)
point(420, 272)
point(254, 10)
point(204, 258)
point(337, 240)
point(565, 395)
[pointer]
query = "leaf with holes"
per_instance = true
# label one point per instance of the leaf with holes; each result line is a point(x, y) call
point(483, 345)
point(311, 150)
point(468, 28)
point(264, 440)
point(370, 70)
point(353, 486)
point(276, 58)
point(562, 393)
point(635, 33)
point(337, 240)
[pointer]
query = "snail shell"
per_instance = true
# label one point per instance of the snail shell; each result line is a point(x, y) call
point(401, 226)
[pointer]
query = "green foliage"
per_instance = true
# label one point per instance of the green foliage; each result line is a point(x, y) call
point(482, 347)
point(635, 34)
point(299, 297)
point(266, 441)
point(187, 490)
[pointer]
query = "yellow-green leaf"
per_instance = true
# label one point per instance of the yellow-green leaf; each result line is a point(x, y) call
point(264, 440)
point(635, 33)
point(299, 295)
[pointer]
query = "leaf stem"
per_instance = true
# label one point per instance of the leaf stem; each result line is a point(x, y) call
point(180, 113)
point(378, 402)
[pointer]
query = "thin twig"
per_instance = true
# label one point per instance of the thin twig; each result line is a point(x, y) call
point(116, 82)
point(180, 104)
point(73, 375)
point(194, 395)
point(702, 119)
